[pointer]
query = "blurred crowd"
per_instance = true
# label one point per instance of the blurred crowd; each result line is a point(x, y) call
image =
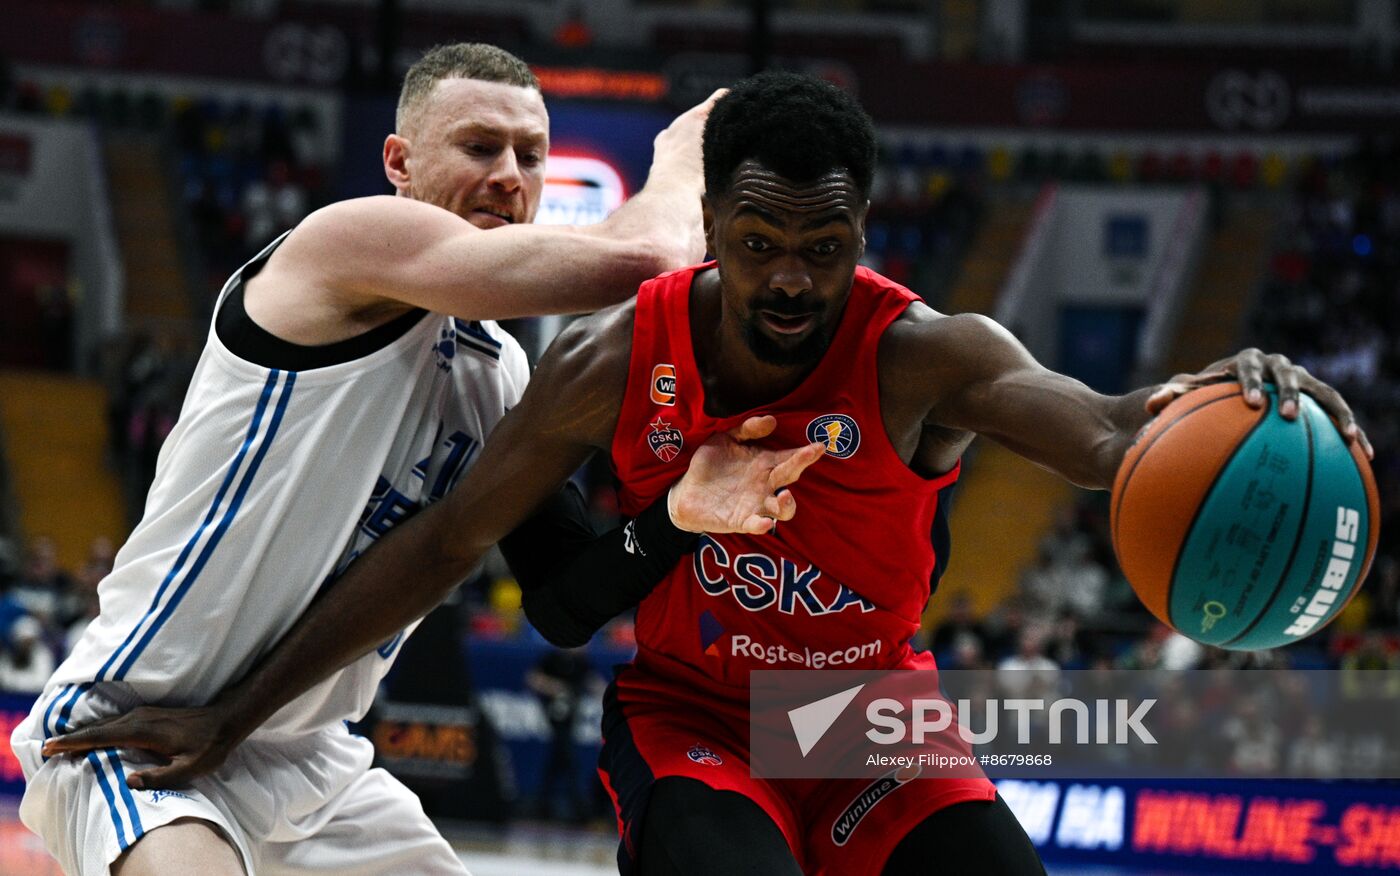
point(247, 173)
point(1331, 301)
point(44, 608)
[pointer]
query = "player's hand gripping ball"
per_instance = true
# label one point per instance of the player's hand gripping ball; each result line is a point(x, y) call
point(1242, 529)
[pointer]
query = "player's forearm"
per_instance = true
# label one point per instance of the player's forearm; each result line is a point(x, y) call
point(1128, 414)
point(399, 580)
point(663, 220)
point(573, 581)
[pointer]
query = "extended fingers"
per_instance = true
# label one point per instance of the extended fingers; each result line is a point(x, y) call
point(1366, 444)
point(796, 462)
point(1287, 378)
point(1338, 409)
point(89, 738)
point(1249, 368)
point(754, 428)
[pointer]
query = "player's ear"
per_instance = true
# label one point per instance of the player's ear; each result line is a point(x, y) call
point(396, 150)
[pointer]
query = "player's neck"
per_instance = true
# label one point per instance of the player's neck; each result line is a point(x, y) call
point(735, 379)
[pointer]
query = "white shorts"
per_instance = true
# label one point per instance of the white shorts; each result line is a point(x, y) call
point(303, 805)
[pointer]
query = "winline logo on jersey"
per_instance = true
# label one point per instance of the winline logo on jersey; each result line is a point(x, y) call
point(894, 726)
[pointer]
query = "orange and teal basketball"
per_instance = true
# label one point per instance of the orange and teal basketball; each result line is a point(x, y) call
point(1239, 528)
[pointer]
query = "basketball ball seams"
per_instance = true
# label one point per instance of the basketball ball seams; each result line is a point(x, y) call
point(1202, 528)
point(1268, 605)
point(1373, 506)
point(1205, 496)
point(1137, 520)
point(1139, 450)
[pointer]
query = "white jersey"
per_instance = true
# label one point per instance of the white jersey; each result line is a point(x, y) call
point(271, 483)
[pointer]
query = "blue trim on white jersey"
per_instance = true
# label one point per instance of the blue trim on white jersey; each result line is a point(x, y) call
point(478, 331)
point(387, 649)
point(218, 535)
point(204, 525)
point(493, 355)
point(111, 799)
point(137, 831)
point(474, 337)
point(61, 725)
point(48, 713)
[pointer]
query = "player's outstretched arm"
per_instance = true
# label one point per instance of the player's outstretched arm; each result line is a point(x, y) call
point(570, 409)
point(365, 253)
point(974, 375)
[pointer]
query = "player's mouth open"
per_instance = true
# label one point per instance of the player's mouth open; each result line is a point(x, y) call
point(494, 217)
point(787, 325)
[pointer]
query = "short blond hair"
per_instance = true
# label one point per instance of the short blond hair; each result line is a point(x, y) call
point(481, 61)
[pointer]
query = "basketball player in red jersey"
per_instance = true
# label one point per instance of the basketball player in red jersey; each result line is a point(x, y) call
point(783, 325)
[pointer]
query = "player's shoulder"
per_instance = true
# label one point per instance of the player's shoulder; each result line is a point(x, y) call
point(923, 346)
point(597, 346)
point(924, 328)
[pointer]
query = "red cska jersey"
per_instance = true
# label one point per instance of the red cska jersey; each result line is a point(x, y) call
point(844, 583)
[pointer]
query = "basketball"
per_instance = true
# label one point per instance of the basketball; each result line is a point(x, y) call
point(1241, 529)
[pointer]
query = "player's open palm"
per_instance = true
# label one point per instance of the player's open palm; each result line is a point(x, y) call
point(188, 743)
point(733, 485)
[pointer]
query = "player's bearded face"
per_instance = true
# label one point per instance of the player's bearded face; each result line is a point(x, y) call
point(787, 255)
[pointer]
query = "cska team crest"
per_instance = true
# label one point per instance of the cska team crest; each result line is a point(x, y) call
point(664, 441)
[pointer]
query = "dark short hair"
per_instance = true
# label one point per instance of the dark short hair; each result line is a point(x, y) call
point(796, 126)
point(481, 61)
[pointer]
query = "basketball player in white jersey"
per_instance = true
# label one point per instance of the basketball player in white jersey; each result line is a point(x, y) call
point(350, 377)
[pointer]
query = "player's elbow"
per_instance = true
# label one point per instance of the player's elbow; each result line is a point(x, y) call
point(549, 618)
point(656, 253)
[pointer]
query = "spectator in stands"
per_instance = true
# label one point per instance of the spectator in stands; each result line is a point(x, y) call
point(82, 605)
point(1066, 578)
point(1028, 672)
point(967, 654)
point(559, 680)
point(1256, 744)
point(271, 206)
point(1069, 644)
point(42, 585)
point(10, 609)
point(1385, 594)
point(952, 635)
point(26, 663)
point(1180, 652)
point(1002, 630)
